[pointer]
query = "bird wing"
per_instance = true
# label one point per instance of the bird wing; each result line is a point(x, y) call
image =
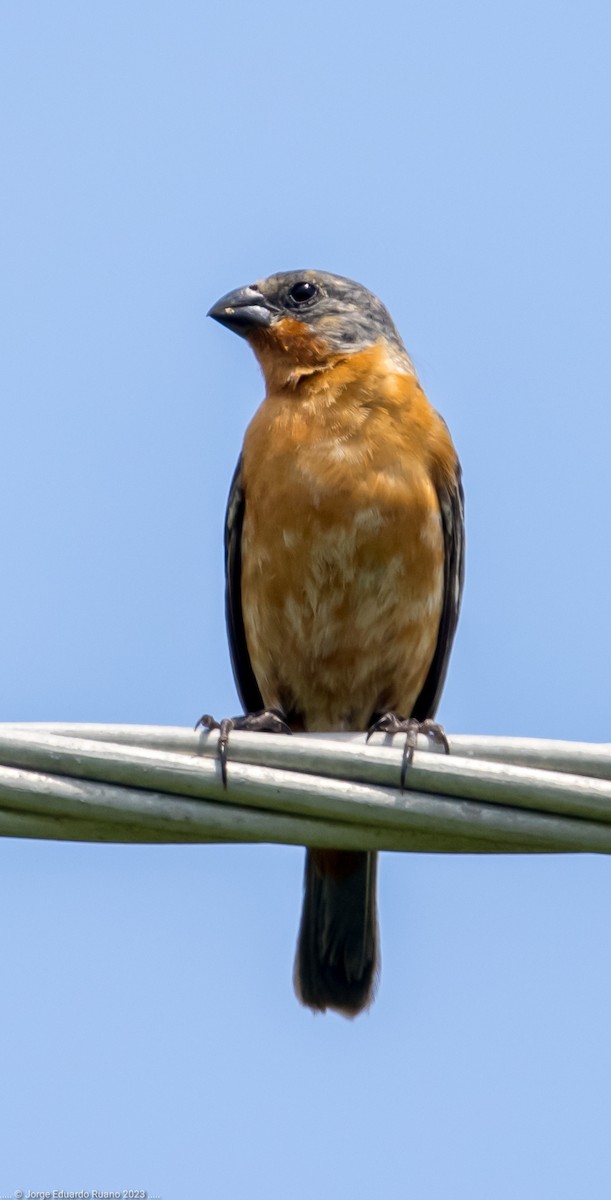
point(248, 689)
point(451, 505)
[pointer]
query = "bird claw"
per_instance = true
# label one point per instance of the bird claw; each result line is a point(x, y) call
point(392, 723)
point(268, 720)
point(224, 727)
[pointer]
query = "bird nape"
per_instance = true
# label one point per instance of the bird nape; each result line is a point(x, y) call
point(344, 556)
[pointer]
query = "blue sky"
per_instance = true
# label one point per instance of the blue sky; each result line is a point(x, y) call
point(455, 159)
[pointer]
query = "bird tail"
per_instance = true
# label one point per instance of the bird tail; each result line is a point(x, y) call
point(337, 951)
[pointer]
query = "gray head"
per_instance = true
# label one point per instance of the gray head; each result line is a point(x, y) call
point(336, 311)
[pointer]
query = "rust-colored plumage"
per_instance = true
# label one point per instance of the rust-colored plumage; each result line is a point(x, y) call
point(344, 563)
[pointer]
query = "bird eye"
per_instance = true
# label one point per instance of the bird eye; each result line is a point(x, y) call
point(301, 292)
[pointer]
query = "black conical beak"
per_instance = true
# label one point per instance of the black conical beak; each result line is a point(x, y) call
point(242, 311)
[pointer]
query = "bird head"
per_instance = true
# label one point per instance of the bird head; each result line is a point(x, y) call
point(301, 322)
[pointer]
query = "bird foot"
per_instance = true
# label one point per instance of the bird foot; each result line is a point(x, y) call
point(269, 720)
point(392, 723)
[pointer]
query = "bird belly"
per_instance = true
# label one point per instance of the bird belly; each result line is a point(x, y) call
point(342, 597)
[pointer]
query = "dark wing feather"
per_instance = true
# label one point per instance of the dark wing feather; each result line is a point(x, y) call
point(451, 505)
point(243, 673)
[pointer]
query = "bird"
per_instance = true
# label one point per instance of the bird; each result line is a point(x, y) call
point(344, 560)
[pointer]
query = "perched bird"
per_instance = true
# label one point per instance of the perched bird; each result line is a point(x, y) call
point(344, 567)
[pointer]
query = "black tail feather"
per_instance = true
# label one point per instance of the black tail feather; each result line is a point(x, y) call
point(337, 950)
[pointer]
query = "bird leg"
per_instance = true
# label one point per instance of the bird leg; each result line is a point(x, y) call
point(392, 723)
point(268, 720)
